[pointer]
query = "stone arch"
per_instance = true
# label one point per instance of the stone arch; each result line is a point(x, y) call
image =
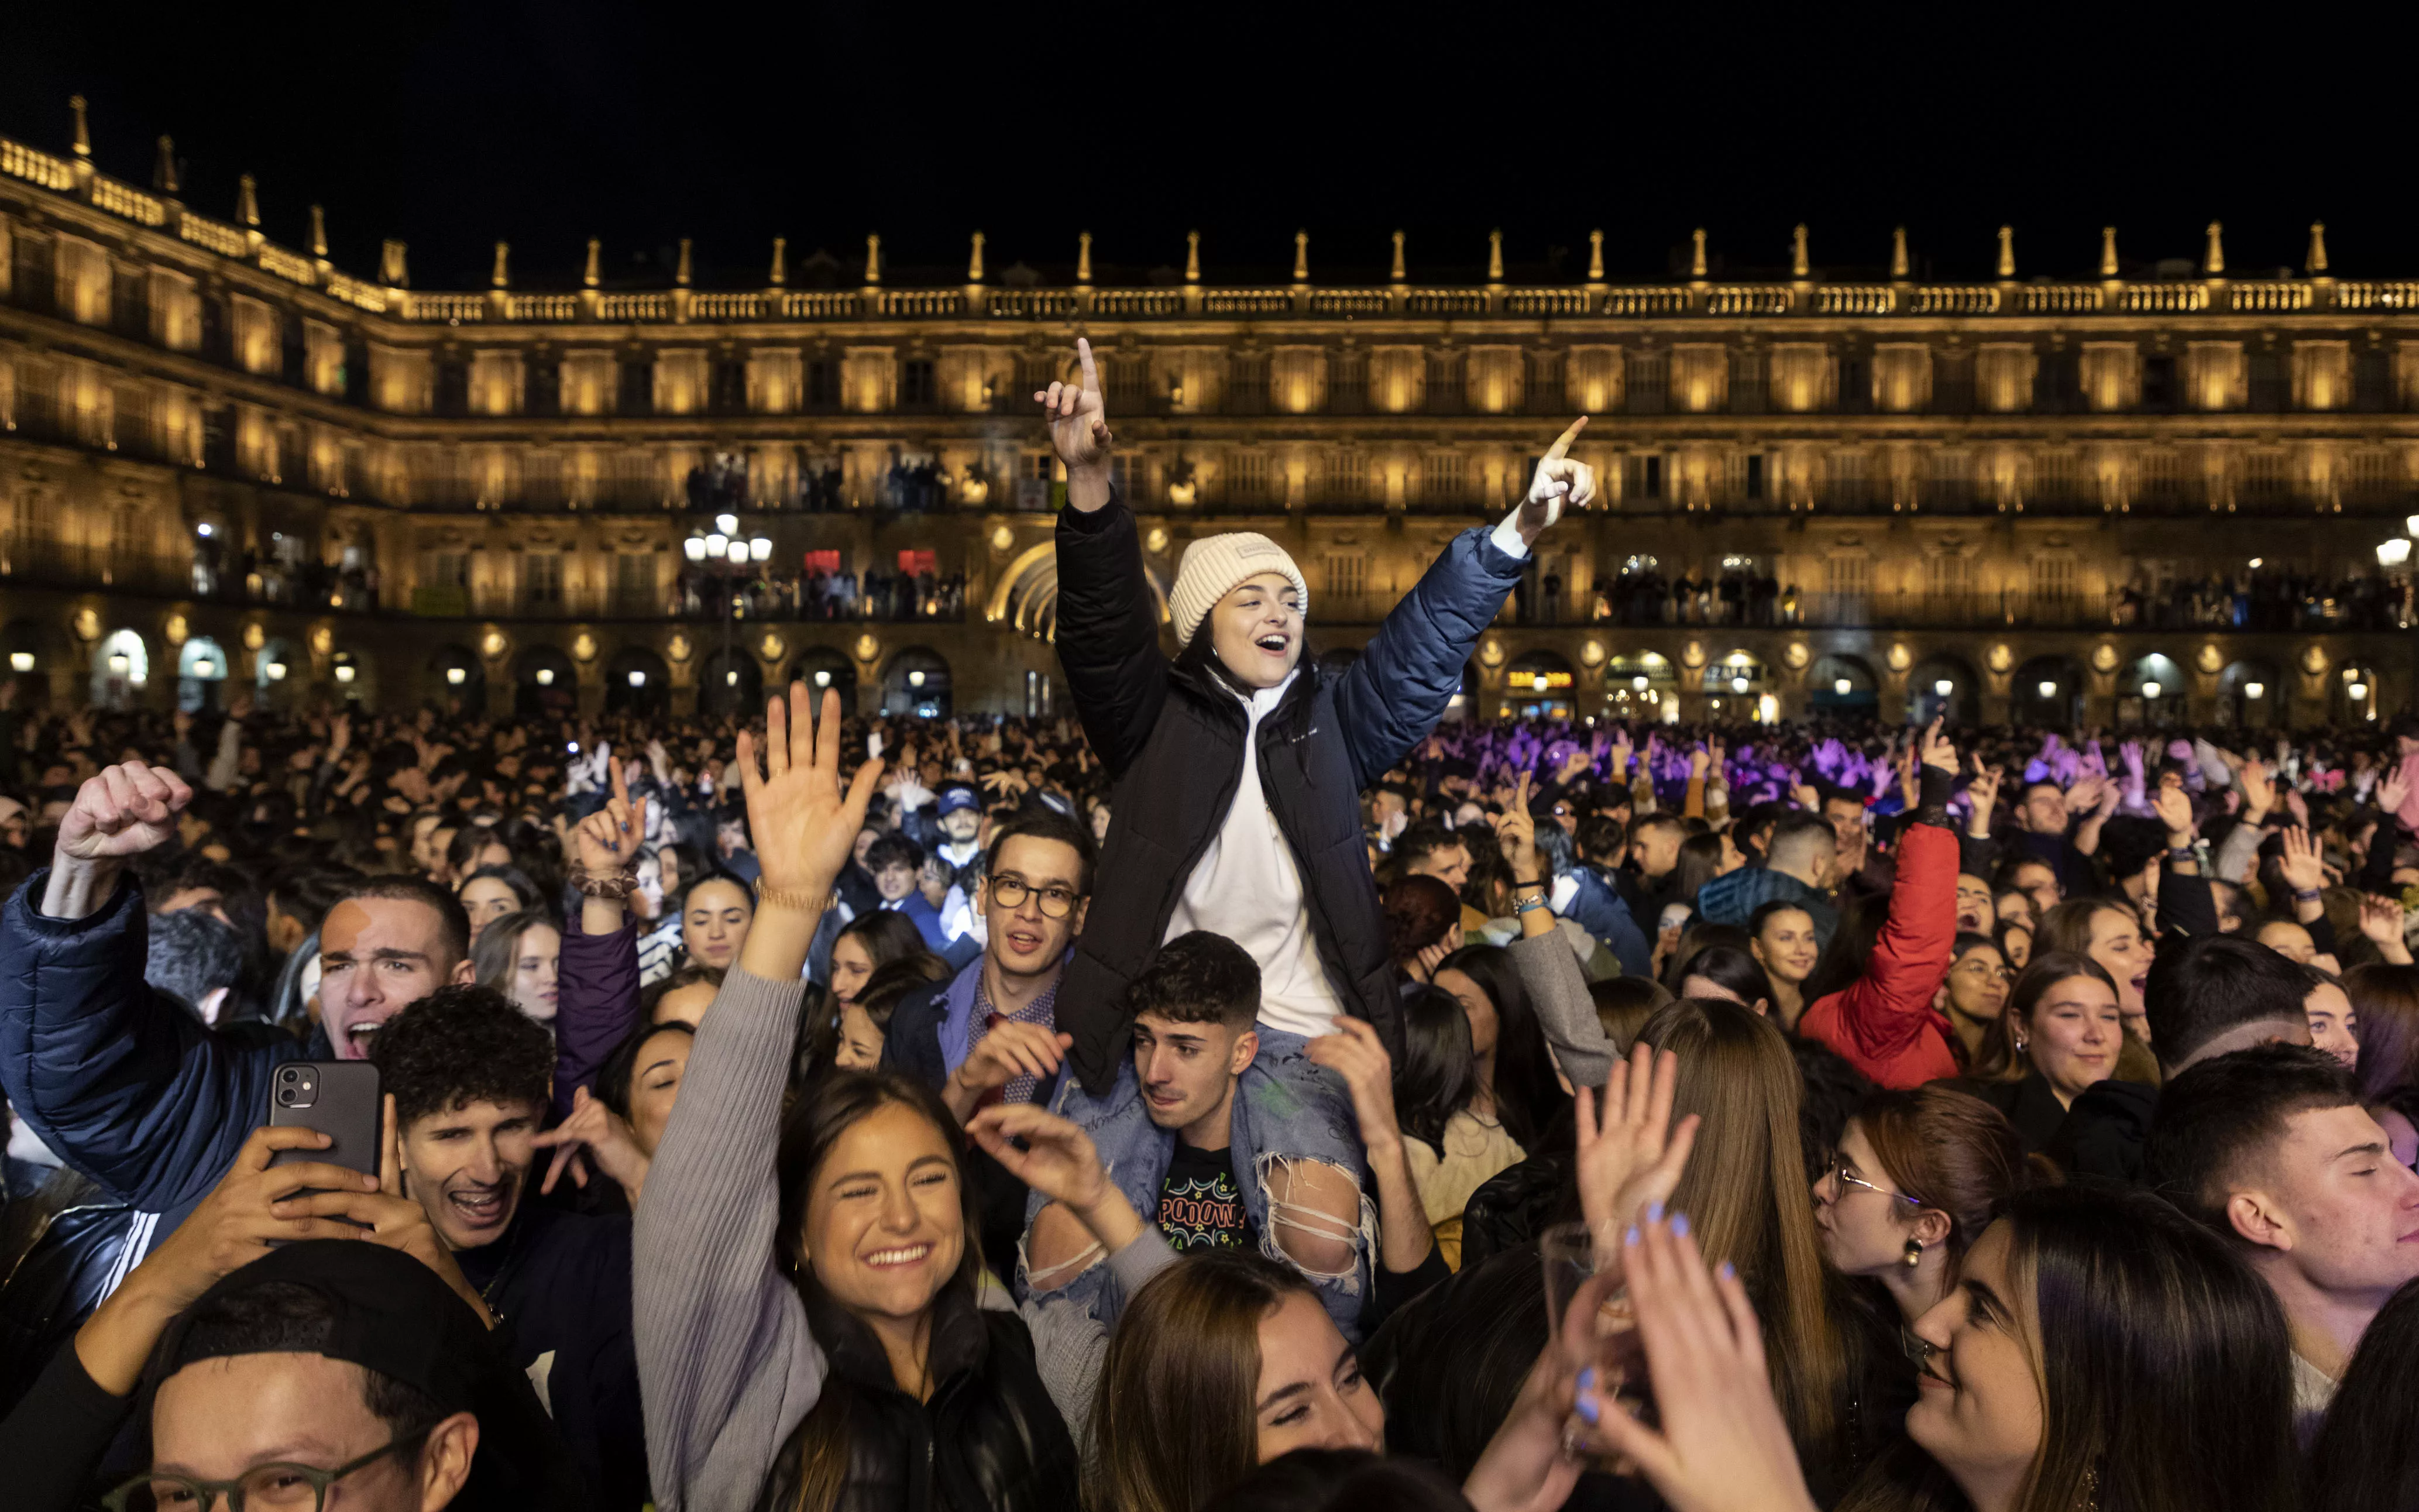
point(636, 681)
point(201, 671)
point(455, 673)
point(1539, 685)
point(2152, 691)
point(1026, 594)
point(1839, 683)
point(544, 682)
point(1925, 701)
point(2048, 691)
point(122, 668)
point(2252, 694)
point(916, 682)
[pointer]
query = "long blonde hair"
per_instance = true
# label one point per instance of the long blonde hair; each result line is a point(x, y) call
point(1745, 1193)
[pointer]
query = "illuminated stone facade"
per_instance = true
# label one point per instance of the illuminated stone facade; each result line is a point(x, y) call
point(226, 456)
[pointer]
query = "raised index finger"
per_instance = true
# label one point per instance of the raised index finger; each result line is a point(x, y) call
point(1562, 443)
point(1091, 372)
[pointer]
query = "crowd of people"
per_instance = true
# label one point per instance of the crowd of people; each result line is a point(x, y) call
point(2267, 597)
point(1255, 1092)
point(1737, 594)
point(816, 593)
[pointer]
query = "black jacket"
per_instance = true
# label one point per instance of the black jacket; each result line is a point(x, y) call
point(560, 1283)
point(2105, 1132)
point(1171, 737)
point(990, 1440)
point(2029, 1104)
point(65, 1271)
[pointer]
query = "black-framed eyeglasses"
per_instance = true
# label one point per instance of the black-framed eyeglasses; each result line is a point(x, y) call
point(275, 1487)
point(1847, 1178)
point(1010, 893)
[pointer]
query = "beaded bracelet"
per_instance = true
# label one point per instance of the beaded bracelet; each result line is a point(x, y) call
point(614, 885)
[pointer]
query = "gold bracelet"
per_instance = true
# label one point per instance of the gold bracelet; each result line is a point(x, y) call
point(798, 898)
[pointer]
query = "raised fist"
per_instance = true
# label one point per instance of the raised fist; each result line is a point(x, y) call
point(124, 811)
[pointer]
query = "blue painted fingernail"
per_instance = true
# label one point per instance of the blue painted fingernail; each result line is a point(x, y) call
point(1726, 1270)
point(1589, 1411)
point(1654, 1211)
point(1679, 1226)
point(1631, 1236)
point(1587, 1378)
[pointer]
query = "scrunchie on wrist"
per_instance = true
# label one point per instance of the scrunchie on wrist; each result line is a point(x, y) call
point(614, 885)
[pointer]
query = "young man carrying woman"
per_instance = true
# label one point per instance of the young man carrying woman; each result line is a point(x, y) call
point(1239, 771)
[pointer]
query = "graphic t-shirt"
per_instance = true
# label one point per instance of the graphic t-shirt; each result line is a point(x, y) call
point(1201, 1207)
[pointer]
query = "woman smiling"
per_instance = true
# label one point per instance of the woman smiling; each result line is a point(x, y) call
point(808, 1335)
point(2061, 1032)
point(2100, 1350)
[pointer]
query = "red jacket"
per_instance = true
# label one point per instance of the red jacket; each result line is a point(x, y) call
point(1884, 1023)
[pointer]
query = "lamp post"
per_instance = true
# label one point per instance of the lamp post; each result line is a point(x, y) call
point(727, 559)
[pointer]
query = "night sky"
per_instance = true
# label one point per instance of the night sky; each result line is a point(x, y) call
point(451, 125)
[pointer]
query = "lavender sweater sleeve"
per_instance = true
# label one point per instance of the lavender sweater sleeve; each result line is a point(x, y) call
point(596, 1004)
point(726, 1364)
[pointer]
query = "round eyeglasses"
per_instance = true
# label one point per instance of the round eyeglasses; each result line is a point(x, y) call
point(1839, 1173)
point(1010, 893)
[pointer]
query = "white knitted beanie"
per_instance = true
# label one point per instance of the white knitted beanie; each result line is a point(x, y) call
point(1214, 565)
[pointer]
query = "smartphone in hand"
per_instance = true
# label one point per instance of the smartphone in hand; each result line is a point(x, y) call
point(340, 1099)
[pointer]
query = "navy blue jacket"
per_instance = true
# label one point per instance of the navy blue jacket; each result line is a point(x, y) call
point(1171, 736)
point(1598, 909)
point(123, 1084)
point(1731, 898)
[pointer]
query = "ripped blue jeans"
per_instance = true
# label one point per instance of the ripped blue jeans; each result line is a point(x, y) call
point(1287, 1109)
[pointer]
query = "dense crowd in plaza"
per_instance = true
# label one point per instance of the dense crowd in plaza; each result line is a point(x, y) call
point(1257, 1090)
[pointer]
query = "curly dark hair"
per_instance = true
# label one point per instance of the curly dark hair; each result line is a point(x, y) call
point(1198, 978)
point(458, 1045)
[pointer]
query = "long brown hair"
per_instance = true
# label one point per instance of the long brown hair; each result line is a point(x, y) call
point(1172, 1423)
point(1999, 1060)
point(2067, 928)
point(1952, 1152)
point(2163, 1369)
point(1745, 1192)
point(835, 1103)
point(2385, 1021)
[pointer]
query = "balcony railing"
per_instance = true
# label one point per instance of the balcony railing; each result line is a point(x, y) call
point(946, 298)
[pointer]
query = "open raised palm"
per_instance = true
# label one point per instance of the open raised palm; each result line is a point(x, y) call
point(804, 824)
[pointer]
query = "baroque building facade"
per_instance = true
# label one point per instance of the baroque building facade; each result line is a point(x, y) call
point(2154, 497)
